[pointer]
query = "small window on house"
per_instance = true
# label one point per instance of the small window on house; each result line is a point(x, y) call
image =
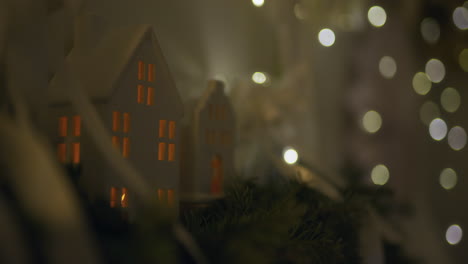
point(151, 72)
point(116, 142)
point(126, 122)
point(125, 147)
point(62, 129)
point(171, 152)
point(141, 94)
point(170, 197)
point(162, 195)
point(115, 121)
point(161, 151)
point(114, 197)
point(162, 128)
point(62, 152)
point(124, 198)
point(150, 96)
point(141, 71)
point(77, 126)
point(172, 129)
point(76, 152)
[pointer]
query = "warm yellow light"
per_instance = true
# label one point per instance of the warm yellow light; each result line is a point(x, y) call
point(326, 37)
point(258, 3)
point(377, 16)
point(290, 156)
point(380, 174)
point(463, 59)
point(259, 77)
point(448, 178)
point(435, 69)
point(450, 99)
point(421, 83)
point(372, 121)
point(457, 138)
point(387, 67)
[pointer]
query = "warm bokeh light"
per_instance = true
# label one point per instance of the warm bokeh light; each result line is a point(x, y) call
point(377, 16)
point(448, 178)
point(421, 83)
point(428, 112)
point(259, 77)
point(372, 121)
point(430, 30)
point(299, 11)
point(435, 69)
point(387, 67)
point(454, 234)
point(463, 59)
point(438, 129)
point(460, 17)
point(290, 155)
point(326, 37)
point(258, 3)
point(380, 174)
point(457, 138)
point(450, 99)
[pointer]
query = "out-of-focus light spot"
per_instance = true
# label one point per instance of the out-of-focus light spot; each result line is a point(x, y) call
point(448, 178)
point(460, 17)
point(438, 129)
point(387, 67)
point(380, 174)
point(430, 30)
point(454, 234)
point(258, 3)
point(421, 83)
point(372, 121)
point(463, 59)
point(435, 69)
point(450, 99)
point(326, 37)
point(259, 77)
point(377, 16)
point(457, 138)
point(290, 155)
point(428, 112)
point(299, 11)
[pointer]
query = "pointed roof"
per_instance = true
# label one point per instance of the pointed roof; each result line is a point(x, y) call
point(100, 69)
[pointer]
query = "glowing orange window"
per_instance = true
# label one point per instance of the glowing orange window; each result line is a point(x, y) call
point(161, 195)
point(76, 153)
point(62, 152)
point(77, 126)
point(151, 72)
point(141, 94)
point(115, 121)
point(171, 152)
point(125, 147)
point(170, 197)
point(150, 96)
point(162, 128)
point(126, 122)
point(62, 129)
point(172, 129)
point(141, 71)
point(161, 151)
point(124, 198)
point(114, 197)
point(116, 141)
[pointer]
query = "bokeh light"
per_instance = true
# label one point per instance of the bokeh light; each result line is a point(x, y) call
point(460, 17)
point(421, 83)
point(326, 37)
point(448, 178)
point(457, 138)
point(299, 11)
point(259, 77)
point(438, 129)
point(450, 99)
point(428, 112)
point(258, 3)
point(387, 67)
point(380, 174)
point(454, 234)
point(435, 69)
point(372, 121)
point(430, 30)
point(463, 59)
point(290, 155)
point(377, 16)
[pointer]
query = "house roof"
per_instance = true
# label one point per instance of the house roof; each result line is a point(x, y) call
point(100, 69)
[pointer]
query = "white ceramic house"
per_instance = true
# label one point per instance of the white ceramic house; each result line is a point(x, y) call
point(129, 83)
point(208, 145)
